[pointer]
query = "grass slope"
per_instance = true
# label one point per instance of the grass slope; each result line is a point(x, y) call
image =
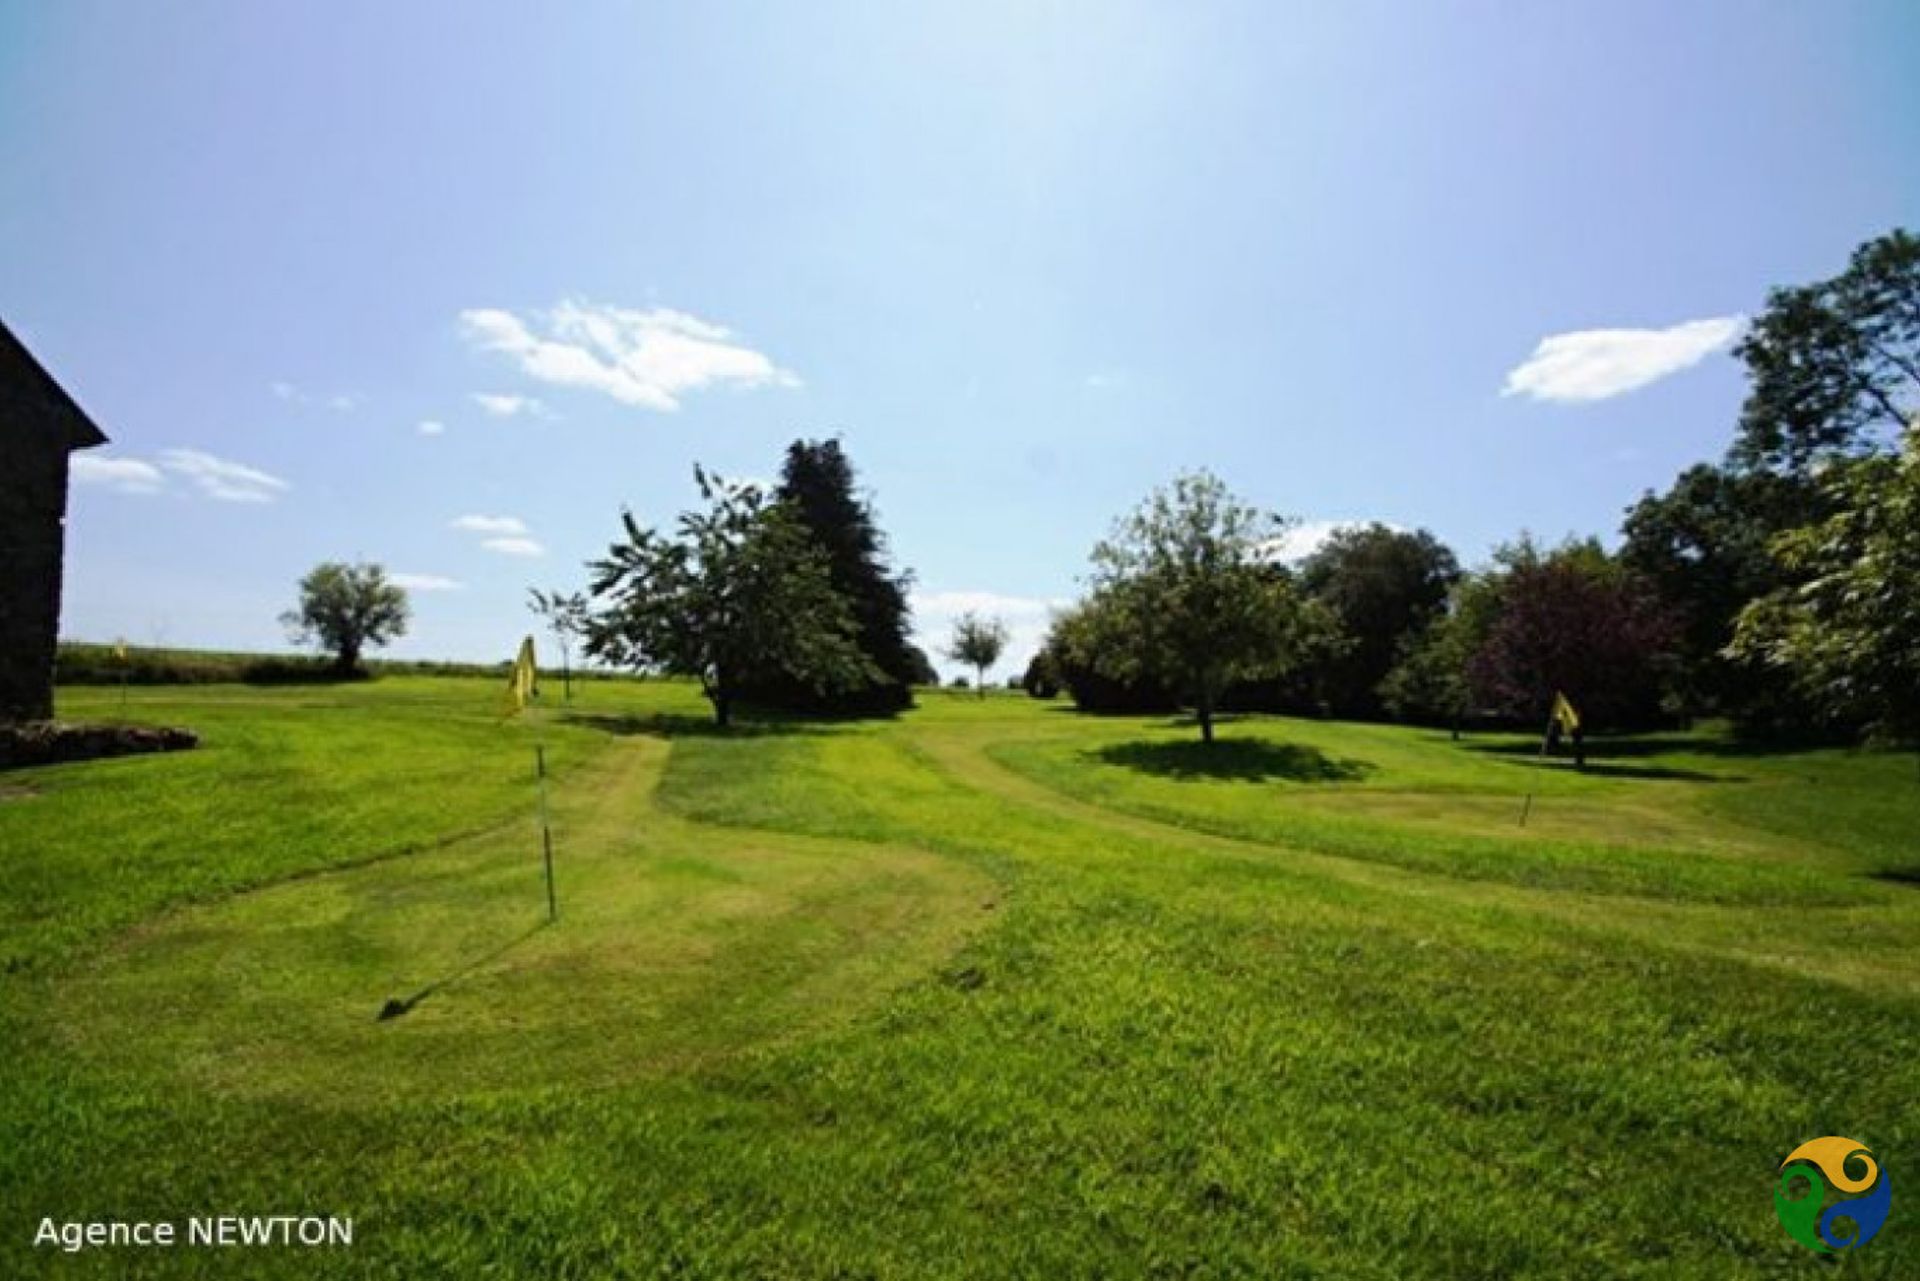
point(990, 991)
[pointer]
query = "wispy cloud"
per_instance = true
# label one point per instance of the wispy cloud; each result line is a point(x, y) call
point(1309, 536)
point(340, 402)
point(126, 475)
point(222, 478)
point(431, 427)
point(1595, 364)
point(514, 546)
point(426, 582)
point(508, 405)
point(489, 524)
point(646, 358)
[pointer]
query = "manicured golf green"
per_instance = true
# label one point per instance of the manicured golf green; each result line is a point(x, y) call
point(993, 990)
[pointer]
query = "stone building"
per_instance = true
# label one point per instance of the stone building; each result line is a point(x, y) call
point(40, 426)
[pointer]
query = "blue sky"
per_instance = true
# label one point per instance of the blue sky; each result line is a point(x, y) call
point(1027, 259)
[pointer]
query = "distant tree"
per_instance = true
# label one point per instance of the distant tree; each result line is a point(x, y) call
point(920, 669)
point(347, 609)
point(1572, 621)
point(567, 616)
point(977, 642)
point(1848, 628)
point(1429, 684)
point(742, 588)
point(1384, 586)
point(1186, 593)
point(1041, 679)
point(1834, 365)
point(818, 481)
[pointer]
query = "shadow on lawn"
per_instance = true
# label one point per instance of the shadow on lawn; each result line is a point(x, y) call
point(1601, 747)
point(397, 1006)
point(1614, 769)
point(684, 725)
point(1249, 760)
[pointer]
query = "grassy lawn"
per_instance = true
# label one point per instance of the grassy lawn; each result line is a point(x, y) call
point(991, 991)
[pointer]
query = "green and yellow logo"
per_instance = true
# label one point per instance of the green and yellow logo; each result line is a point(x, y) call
point(1831, 1195)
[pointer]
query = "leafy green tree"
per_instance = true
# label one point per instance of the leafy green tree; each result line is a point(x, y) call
point(567, 616)
point(1834, 365)
point(1848, 629)
point(1384, 587)
point(742, 588)
point(1704, 547)
point(1186, 593)
point(977, 642)
point(818, 481)
point(347, 609)
point(1042, 678)
point(1071, 656)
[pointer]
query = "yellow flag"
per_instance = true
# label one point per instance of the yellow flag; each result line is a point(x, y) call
point(1563, 714)
point(523, 683)
point(120, 649)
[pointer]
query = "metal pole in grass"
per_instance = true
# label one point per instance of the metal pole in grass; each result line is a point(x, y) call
point(523, 687)
point(546, 830)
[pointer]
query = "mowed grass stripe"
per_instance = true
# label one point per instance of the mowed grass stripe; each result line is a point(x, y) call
point(1143, 1049)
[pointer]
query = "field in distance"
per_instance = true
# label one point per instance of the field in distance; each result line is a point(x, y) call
point(990, 990)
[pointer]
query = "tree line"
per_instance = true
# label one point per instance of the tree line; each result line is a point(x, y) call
point(1775, 587)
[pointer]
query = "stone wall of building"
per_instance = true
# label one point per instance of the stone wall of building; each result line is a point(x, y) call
point(33, 508)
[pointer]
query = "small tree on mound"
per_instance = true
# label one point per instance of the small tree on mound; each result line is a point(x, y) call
point(741, 589)
point(566, 616)
point(346, 610)
point(978, 643)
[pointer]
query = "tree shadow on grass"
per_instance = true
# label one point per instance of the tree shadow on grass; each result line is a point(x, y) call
point(1615, 769)
point(685, 725)
point(1248, 760)
point(1625, 748)
point(1907, 876)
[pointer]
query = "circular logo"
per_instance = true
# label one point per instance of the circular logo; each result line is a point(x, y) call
point(1831, 1195)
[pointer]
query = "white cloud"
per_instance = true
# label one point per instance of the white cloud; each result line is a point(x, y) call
point(286, 391)
point(343, 403)
point(644, 358)
point(508, 405)
point(514, 546)
point(1594, 364)
point(426, 582)
point(221, 478)
point(1309, 536)
point(431, 427)
point(127, 475)
point(489, 524)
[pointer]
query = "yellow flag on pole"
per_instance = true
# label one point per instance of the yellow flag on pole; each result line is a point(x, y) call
point(1563, 714)
point(523, 683)
point(120, 649)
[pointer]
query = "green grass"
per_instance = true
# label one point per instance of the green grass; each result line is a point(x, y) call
point(989, 991)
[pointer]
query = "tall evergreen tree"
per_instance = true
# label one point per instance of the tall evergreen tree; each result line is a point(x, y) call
point(819, 482)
